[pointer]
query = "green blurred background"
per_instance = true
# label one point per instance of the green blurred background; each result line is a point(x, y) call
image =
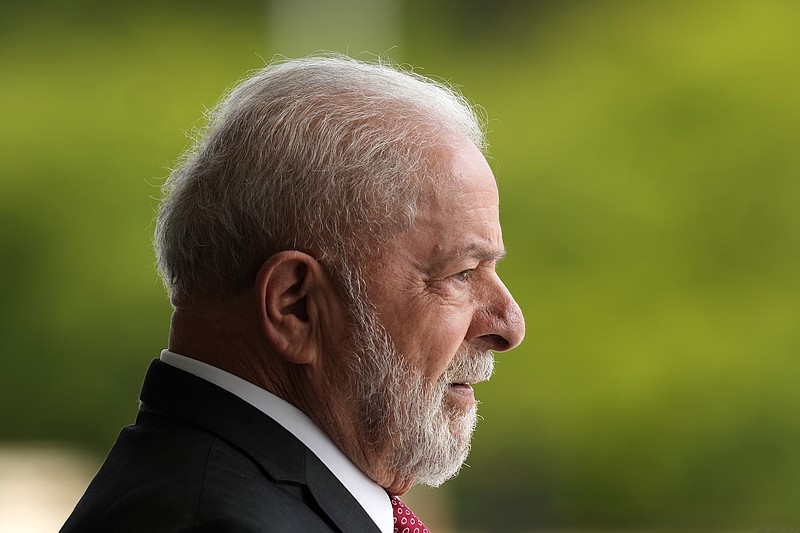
point(648, 162)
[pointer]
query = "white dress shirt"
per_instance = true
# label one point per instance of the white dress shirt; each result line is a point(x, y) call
point(370, 495)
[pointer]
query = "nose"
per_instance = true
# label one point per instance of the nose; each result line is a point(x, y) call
point(497, 324)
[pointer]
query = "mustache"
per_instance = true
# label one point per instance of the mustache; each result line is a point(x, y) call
point(469, 365)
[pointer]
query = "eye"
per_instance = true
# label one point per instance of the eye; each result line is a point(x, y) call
point(462, 276)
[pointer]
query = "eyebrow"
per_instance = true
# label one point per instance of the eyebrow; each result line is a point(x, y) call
point(482, 253)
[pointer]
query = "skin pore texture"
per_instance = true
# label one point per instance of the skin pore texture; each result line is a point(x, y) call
point(385, 374)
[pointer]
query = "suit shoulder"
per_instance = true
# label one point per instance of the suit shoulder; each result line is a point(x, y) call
point(164, 475)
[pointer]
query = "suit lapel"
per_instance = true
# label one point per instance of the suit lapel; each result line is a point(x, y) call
point(334, 499)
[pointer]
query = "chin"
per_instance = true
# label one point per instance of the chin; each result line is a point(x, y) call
point(450, 448)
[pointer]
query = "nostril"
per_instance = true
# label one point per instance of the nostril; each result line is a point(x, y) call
point(496, 342)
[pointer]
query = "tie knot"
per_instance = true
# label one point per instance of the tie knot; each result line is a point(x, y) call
point(404, 520)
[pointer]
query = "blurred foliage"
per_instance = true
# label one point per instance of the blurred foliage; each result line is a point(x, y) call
point(649, 173)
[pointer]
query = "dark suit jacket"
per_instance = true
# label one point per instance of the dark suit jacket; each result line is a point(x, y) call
point(200, 459)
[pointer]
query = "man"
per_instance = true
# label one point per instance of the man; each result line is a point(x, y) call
point(329, 246)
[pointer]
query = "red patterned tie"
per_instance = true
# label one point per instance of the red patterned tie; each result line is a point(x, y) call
point(404, 519)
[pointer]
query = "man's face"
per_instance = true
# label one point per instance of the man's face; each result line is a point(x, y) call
point(436, 309)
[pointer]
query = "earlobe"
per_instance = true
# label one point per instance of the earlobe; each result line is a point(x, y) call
point(285, 287)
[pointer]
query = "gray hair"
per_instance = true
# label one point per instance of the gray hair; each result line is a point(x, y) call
point(326, 155)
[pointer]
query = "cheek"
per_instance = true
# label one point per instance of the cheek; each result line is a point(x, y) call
point(435, 341)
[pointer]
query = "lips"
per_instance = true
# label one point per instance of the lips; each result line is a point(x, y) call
point(462, 390)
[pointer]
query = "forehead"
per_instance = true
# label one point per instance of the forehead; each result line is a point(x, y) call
point(470, 174)
point(459, 212)
point(464, 183)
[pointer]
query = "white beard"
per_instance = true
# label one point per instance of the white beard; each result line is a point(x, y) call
point(417, 432)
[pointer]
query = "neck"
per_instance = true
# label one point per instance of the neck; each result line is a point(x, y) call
point(223, 332)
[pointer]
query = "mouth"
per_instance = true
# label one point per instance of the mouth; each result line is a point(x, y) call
point(462, 390)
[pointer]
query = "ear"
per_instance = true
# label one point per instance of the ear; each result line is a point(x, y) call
point(286, 286)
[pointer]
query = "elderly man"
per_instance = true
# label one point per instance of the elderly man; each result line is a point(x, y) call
point(329, 246)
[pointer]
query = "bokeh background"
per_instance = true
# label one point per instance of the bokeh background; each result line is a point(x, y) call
point(648, 158)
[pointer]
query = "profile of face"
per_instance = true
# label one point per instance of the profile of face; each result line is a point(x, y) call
point(434, 312)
